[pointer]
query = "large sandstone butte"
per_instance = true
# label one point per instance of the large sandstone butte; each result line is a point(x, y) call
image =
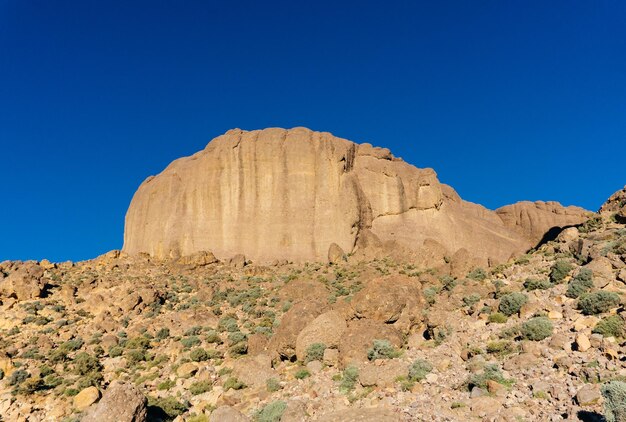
point(290, 194)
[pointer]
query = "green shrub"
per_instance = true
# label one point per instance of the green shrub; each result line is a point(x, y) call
point(135, 356)
point(559, 271)
point(273, 385)
point(348, 380)
point(166, 385)
point(590, 225)
point(138, 343)
point(315, 352)
point(611, 326)
point(491, 372)
point(382, 349)
point(85, 364)
point(302, 374)
point(419, 369)
point(577, 288)
point(189, 342)
point(512, 303)
point(272, 412)
point(477, 274)
point(536, 329)
point(614, 393)
point(169, 405)
point(500, 347)
point(233, 383)
point(213, 337)
point(536, 284)
point(471, 300)
point(162, 334)
point(18, 377)
point(430, 294)
point(238, 349)
point(115, 351)
point(598, 302)
point(228, 324)
point(198, 355)
point(200, 387)
point(498, 318)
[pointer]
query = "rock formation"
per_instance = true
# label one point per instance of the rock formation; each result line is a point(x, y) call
point(537, 220)
point(290, 194)
point(616, 205)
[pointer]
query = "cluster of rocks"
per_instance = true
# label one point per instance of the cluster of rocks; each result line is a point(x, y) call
point(129, 337)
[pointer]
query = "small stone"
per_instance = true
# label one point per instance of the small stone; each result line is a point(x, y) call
point(589, 394)
point(331, 357)
point(555, 315)
point(477, 392)
point(186, 370)
point(86, 398)
point(315, 366)
point(582, 343)
point(336, 255)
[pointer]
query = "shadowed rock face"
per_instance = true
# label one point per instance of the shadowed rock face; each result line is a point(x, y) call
point(290, 194)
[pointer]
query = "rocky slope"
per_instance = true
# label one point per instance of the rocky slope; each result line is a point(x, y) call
point(129, 338)
point(291, 194)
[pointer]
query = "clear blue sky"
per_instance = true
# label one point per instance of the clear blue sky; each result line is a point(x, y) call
point(506, 100)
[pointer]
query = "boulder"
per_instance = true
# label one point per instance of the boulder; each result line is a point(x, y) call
point(359, 337)
point(121, 402)
point(25, 283)
point(336, 254)
point(326, 328)
point(283, 342)
point(198, 259)
point(602, 270)
point(228, 414)
point(86, 398)
point(616, 204)
point(393, 300)
point(254, 371)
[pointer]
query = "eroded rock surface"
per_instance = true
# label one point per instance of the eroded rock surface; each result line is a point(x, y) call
point(291, 194)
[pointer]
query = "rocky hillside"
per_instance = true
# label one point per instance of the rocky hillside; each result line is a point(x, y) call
point(292, 194)
point(131, 338)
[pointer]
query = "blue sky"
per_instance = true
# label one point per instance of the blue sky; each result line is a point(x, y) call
point(506, 100)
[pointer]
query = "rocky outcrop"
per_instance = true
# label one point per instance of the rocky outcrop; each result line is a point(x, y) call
point(290, 194)
point(24, 283)
point(540, 221)
point(120, 403)
point(616, 205)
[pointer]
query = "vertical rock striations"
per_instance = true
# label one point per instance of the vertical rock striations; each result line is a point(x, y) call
point(290, 194)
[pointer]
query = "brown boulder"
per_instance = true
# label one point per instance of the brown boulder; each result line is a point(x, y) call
point(396, 300)
point(120, 403)
point(616, 204)
point(198, 259)
point(336, 254)
point(326, 328)
point(254, 371)
point(360, 335)
point(25, 283)
point(283, 342)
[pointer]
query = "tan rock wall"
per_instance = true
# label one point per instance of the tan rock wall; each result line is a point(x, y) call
point(290, 194)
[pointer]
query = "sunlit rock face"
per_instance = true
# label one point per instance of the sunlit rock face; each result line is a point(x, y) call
point(289, 194)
